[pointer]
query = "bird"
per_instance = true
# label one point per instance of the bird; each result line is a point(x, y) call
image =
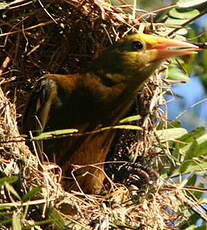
point(98, 97)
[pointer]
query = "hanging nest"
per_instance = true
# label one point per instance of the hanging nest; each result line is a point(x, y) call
point(39, 37)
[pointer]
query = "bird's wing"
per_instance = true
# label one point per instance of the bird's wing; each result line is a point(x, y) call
point(39, 105)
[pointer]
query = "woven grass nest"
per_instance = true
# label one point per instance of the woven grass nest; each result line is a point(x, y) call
point(63, 37)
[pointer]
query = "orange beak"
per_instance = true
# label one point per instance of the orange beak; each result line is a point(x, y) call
point(166, 48)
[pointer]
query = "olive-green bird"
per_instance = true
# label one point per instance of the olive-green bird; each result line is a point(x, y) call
point(99, 97)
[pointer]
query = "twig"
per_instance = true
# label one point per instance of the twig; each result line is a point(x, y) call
point(29, 28)
point(5, 64)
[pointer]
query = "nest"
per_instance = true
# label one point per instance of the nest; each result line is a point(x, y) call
point(63, 37)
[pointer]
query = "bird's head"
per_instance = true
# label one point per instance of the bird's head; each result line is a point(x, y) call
point(136, 56)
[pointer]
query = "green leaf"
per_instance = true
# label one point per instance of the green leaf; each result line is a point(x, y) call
point(31, 193)
point(130, 119)
point(193, 155)
point(192, 180)
point(193, 134)
point(181, 147)
point(9, 180)
point(175, 13)
point(2, 207)
point(16, 222)
point(190, 150)
point(176, 21)
point(12, 190)
point(170, 134)
point(202, 141)
point(169, 29)
point(178, 18)
point(192, 219)
point(3, 5)
point(46, 135)
point(174, 124)
point(193, 165)
point(65, 132)
point(5, 222)
point(175, 73)
point(204, 59)
point(57, 219)
point(189, 4)
point(190, 63)
point(131, 127)
point(199, 193)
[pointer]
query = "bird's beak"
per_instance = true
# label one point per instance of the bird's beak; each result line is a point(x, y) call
point(166, 48)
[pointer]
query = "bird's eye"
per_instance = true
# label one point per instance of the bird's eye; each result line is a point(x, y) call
point(137, 45)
